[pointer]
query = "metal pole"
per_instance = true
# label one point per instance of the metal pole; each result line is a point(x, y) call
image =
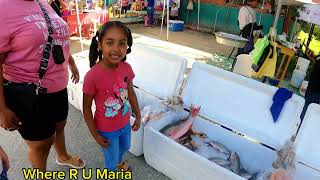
point(198, 15)
point(163, 11)
point(168, 18)
point(262, 8)
point(293, 29)
point(79, 24)
point(310, 35)
point(275, 23)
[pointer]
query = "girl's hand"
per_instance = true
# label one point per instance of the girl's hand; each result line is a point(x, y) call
point(5, 159)
point(6, 162)
point(136, 125)
point(102, 141)
point(75, 73)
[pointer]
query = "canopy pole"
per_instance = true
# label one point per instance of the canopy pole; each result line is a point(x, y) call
point(79, 24)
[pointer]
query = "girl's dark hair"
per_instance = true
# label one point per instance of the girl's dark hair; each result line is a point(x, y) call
point(94, 52)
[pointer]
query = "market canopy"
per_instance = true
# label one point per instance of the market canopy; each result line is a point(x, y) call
point(296, 2)
point(310, 13)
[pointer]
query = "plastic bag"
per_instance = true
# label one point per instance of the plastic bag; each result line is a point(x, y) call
point(259, 47)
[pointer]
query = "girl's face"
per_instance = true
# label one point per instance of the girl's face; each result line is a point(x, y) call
point(114, 45)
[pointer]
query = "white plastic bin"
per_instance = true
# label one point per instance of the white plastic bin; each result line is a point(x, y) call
point(307, 150)
point(297, 78)
point(243, 65)
point(236, 102)
point(303, 88)
point(159, 74)
point(302, 64)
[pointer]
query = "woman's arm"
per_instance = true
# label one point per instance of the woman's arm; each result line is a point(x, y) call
point(74, 70)
point(2, 102)
point(8, 119)
point(135, 106)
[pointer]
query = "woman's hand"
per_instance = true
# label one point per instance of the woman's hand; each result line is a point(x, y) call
point(8, 120)
point(75, 74)
point(74, 70)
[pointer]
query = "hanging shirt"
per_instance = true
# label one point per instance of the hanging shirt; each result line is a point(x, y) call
point(246, 16)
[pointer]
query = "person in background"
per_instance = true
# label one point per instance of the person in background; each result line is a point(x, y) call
point(124, 5)
point(57, 5)
point(4, 164)
point(174, 12)
point(313, 90)
point(150, 12)
point(247, 24)
point(130, 2)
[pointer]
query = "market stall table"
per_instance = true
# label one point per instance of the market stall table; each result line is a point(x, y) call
point(287, 53)
point(87, 19)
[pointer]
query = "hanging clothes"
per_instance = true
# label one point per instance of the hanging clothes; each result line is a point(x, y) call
point(190, 5)
point(268, 68)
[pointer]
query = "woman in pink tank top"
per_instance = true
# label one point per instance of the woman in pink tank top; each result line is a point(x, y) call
point(33, 95)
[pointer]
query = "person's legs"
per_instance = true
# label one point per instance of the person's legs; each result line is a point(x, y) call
point(60, 145)
point(111, 153)
point(59, 102)
point(124, 141)
point(38, 152)
point(149, 14)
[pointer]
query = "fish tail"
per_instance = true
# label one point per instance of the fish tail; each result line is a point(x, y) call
point(194, 111)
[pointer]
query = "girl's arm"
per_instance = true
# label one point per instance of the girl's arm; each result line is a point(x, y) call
point(4, 157)
point(135, 106)
point(87, 103)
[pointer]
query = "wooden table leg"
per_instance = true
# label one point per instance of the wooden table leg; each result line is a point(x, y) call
point(285, 70)
point(279, 69)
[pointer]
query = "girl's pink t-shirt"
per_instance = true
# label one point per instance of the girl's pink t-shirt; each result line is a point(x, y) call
point(110, 90)
point(23, 35)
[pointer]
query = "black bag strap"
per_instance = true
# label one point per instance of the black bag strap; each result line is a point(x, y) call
point(47, 50)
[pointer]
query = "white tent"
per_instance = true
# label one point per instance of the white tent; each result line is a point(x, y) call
point(290, 2)
point(311, 14)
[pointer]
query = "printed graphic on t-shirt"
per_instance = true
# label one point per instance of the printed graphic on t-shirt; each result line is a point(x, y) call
point(113, 103)
point(59, 25)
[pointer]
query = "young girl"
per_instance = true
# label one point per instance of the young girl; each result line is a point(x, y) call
point(109, 83)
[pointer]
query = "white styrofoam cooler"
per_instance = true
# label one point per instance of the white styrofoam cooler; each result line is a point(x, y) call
point(82, 62)
point(158, 75)
point(231, 100)
point(307, 145)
